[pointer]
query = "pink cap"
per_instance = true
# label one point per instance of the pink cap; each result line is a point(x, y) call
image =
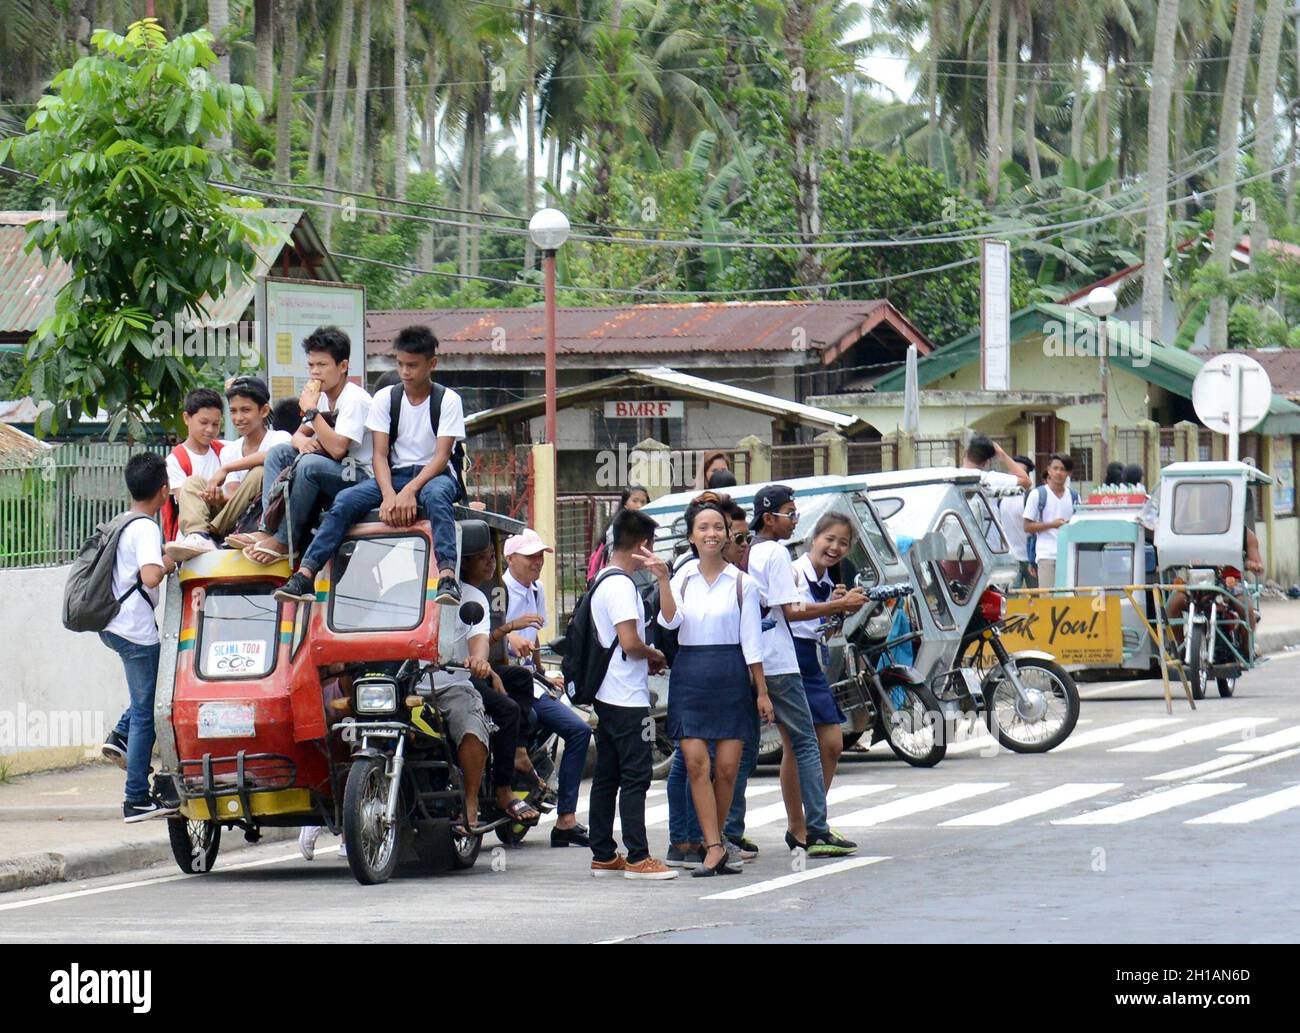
point(526, 543)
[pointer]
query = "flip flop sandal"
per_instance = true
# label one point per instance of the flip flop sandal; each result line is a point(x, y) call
point(242, 540)
point(515, 810)
point(260, 553)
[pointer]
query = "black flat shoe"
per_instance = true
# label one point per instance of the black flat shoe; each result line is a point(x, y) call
point(576, 836)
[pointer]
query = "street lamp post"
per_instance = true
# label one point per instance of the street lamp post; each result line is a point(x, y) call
point(549, 229)
point(1101, 303)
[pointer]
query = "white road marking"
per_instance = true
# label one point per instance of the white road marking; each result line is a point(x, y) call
point(1037, 803)
point(1265, 743)
point(870, 816)
point(1190, 735)
point(1090, 693)
point(776, 811)
point(1152, 803)
point(1182, 774)
point(1112, 732)
point(1258, 762)
point(795, 878)
point(1252, 810)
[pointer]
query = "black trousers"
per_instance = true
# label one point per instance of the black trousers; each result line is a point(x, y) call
point(504, 713)
point(518, 682)
point(624, 764)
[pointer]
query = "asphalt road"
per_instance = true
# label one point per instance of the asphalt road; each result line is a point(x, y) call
point(1144, 827)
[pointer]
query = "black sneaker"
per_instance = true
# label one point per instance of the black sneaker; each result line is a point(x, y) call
point(830, 844)
point(143, 810)
point(448, 592)
point(164, 792)
point(748, 848)
point(576, 836)
point(299, 588)
point(793, 844)
point(689, 859)
point(114, 748)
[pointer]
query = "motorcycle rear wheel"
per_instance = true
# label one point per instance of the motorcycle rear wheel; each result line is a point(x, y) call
point(905, 728)
point(194, 844)
point(1196, 671)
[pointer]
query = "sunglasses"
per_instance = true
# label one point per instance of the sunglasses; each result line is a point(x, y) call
point(743, 538)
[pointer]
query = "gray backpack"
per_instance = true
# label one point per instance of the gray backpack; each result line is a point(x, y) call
point(88, 600)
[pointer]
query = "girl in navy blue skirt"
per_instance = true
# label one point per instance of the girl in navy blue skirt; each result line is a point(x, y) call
point(831, 540)
point(715, 609)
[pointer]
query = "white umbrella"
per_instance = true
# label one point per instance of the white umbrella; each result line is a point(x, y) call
point(911, 396)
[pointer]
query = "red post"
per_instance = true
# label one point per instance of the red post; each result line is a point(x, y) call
point(548, 264)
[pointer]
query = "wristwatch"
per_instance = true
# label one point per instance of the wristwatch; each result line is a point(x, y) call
point(310, 416)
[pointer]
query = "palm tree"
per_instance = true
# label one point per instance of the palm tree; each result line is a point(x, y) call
point(288, 19)
point(400, 108)
point(219, 26)
point(994, 135)
point(1266, 122)
point(343, 52)
point(1162, 75)
point(357, 166)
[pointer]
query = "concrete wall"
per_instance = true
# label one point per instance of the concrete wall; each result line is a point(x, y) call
point(60, 692)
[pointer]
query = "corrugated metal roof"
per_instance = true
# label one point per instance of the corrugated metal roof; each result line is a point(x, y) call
point(18, 447)
point(27, 287)
point(699, 327)
point(1282, 366)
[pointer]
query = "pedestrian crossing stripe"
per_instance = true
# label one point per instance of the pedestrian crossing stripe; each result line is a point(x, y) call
point(1251, 810)
point(1151, 803)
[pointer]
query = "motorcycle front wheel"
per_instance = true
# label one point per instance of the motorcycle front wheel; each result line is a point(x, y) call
point(373, 849)
point(1044, 721)
point(915, 729)
point(194, 844)
point(1197, 671)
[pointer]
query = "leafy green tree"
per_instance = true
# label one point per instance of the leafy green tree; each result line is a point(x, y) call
point(871, 191)
point(122, 142)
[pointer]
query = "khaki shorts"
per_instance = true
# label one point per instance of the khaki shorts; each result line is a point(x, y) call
point(462, 708)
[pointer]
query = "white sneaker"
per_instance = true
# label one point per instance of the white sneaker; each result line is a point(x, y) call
point(307, 841)
point(193, 544)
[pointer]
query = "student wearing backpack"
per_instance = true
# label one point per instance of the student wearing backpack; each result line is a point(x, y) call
point(417, 428)
point(238, 479)
point(1048, 508)
point(624, 752)
point(199, 455)
point(715, 610)
point(139, 567)
point(330, 456)
point(634, 497)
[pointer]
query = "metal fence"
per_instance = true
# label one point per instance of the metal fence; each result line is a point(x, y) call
point(50, 501)
point(790, 461)
point(502, 480)
point(872, 456)
point(1082, 451)
point(580, 521)
point(937, 452)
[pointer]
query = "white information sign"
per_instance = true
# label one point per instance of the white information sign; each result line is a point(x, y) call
point(995, 315)
point(289, 310)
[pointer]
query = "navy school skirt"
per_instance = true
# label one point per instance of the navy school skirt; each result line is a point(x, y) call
point(709, 695)
point(821, 701)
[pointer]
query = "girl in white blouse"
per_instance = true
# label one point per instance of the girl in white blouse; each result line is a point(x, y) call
point(715, 610)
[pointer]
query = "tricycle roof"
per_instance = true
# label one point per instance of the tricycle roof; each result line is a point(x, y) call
point(1217, 468)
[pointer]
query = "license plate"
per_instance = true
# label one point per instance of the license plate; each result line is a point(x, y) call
point(225, 720)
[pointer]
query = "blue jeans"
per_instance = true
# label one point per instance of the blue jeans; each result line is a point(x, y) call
point(350, 505)
point(141, 663)
point(792, 713)
point(683, 822)
point(317, 477)
point(555, 717)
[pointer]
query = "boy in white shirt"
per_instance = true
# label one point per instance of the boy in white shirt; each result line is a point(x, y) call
point(199, 455)
point(417, 468)
point(331, 456)
point(237, 481)
point(138, 570)
point(624, 752)
point(1048, 508)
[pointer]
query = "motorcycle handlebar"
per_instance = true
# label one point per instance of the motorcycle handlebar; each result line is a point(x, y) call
point(895, 591)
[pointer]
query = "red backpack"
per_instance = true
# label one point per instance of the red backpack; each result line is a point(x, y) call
point(171, 513)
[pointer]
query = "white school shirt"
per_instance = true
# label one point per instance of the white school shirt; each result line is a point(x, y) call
point(200, 465)
point(770, 566)
point(522, 599)
point(1052, 509)
point(464, 632)
point(415, 442)
point(354, 412)
point(269, 440)
point(139, 546)
point(803, 575)
point(999, 481)
point(1011, 511)
point(707, 614)
point(614, 599)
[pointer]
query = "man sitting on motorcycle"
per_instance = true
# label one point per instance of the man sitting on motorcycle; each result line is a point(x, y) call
point(469, 695)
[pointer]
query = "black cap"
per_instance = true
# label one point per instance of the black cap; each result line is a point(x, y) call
point(769, 499)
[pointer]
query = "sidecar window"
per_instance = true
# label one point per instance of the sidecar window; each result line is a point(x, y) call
point(379, 584)
point(990, 529)
point(237, 631)
point(1202, 507)
point(959, 568)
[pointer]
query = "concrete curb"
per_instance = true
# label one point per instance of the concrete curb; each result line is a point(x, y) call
point(62, 812)
point(92, 860)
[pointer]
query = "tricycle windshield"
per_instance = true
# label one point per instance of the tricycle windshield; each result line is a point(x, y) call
point(1202, 507)
point(1103, 563)
point(379, 583)
point(237, 631)
point(990, 530)
point(881, 544)
point(909, 511)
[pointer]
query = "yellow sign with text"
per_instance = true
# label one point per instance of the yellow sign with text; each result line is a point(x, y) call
point(1075, 629)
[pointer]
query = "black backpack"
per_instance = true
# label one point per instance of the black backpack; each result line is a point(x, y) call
point(88, 600)
point(457, 459)
point(584, 660)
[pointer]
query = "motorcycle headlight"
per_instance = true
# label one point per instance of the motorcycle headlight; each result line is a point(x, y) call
point(376, 696)
point(1202, 578)
point(879, 625)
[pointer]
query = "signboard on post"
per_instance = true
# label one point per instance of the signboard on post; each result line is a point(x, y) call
point(995, 315)
point(643, 408)
point(289, 310)
point(1074, 629)
point(1231, 395)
